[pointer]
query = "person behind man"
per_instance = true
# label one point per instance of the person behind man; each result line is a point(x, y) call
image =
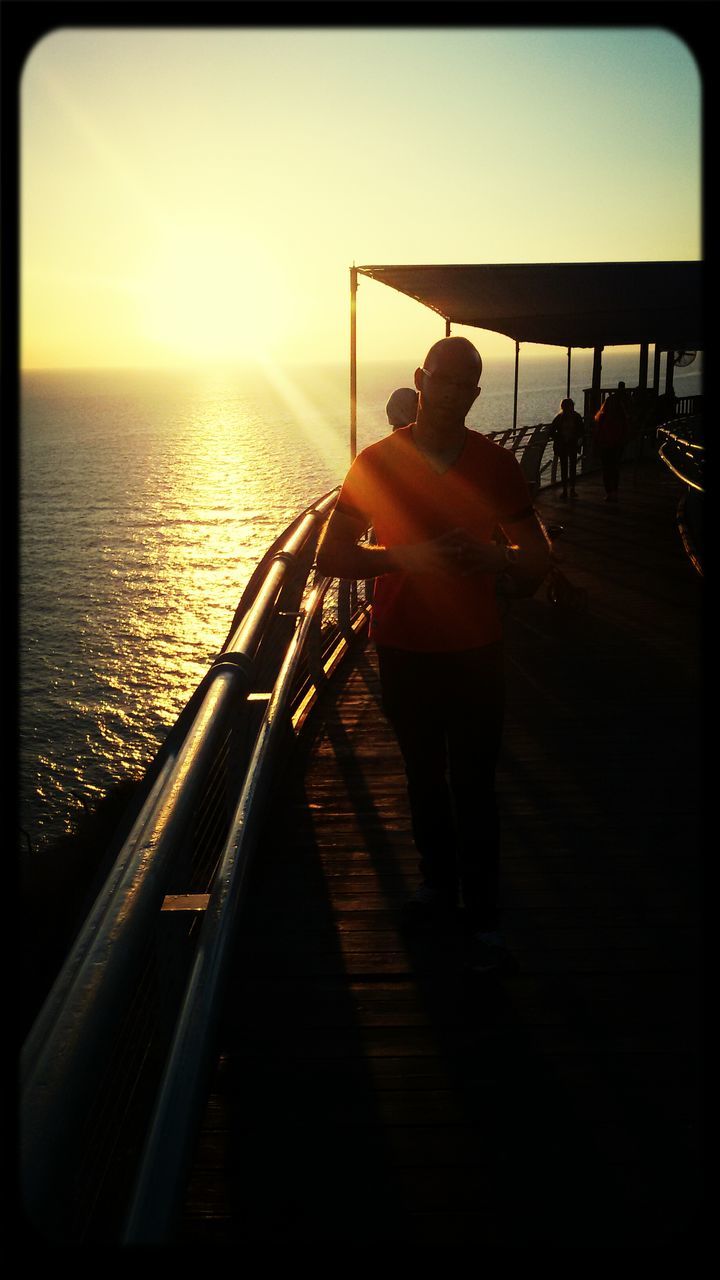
point(437, 494)
point(401, 408)
point(611, 433)
point(566, 433)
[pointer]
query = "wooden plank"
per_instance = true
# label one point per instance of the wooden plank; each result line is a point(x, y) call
point(185, 902)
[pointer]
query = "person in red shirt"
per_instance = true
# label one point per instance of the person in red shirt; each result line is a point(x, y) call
point(437, 496)
point(611, 434)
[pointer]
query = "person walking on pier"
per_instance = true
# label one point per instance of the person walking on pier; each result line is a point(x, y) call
point(436, 494)
point(611, 434)
point(566, 433)
point(401, 408)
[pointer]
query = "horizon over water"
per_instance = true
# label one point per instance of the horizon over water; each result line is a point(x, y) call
point(146, 499)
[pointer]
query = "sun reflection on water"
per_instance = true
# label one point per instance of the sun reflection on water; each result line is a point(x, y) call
point(141, 530)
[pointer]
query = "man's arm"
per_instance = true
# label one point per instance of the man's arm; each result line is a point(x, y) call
point(531, 555)
point(340, 556)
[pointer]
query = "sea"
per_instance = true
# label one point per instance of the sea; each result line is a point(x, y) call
point(145, 500)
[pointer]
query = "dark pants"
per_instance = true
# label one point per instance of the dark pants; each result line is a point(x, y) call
point(568, 463)
point(447, 712)
point(610, 456)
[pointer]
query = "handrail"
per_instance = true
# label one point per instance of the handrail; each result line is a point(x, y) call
point(169, 1147)
point(174, 780)
point(71, 1035)
point(693, 452)
point(676, 439)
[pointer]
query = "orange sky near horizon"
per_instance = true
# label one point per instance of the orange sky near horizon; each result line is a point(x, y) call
point(198, 196)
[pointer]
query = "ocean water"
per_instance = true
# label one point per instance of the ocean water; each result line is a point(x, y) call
point(145, 501)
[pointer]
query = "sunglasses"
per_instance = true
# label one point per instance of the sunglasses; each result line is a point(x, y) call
point(467, 388)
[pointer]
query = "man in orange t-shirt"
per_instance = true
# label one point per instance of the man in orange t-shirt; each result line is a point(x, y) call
point(436, 495)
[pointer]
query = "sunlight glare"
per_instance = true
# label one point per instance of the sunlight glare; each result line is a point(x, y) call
point(215, 299)
point(323, 436)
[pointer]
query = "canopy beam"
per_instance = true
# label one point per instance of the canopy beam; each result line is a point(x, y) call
point(563, 304)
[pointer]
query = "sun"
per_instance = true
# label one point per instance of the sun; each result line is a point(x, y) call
point(215, 298)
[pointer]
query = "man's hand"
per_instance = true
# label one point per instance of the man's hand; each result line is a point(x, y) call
point(455, 552)
point(534, 559)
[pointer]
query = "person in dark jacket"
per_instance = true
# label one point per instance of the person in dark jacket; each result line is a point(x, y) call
point(566, 433)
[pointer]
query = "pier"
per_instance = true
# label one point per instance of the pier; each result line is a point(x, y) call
point(366, 1087)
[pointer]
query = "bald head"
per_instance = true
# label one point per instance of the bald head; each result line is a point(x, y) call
point(455, 354)
point(401, 408)
point(448, 385)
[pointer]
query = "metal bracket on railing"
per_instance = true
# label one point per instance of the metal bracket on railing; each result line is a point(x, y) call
point(235, 660)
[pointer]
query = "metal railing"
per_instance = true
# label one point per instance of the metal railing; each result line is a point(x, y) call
point(681, 453)
point(681, 450)
point(539, 463)
point(530, 446)
point(114, 1067)
point(678, 406)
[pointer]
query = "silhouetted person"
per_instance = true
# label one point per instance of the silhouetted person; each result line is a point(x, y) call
point(566, 433)
point(665, 408)
point(401, 408)
point(611, 433)
point(436, 494)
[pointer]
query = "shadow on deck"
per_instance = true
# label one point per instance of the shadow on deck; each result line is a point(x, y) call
point(368, 1090)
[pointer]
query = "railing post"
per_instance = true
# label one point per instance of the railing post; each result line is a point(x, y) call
point(345, 608)
point(316, 669)
point(643, 367)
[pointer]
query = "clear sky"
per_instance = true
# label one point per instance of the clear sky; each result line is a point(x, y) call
point(200, 194)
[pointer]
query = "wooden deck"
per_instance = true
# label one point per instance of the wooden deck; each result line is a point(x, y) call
point(368, 1089)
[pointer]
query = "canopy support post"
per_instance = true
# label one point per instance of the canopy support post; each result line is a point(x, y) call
point(447, 327)
point(656, 370)
point(596, 380)
point(643, 367)
point(568, 377)
point(353, 362)
point(517, 363)
point(669, 388)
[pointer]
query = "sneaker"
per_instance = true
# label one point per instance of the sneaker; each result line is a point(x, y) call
point(573, 493)
point(489, 954)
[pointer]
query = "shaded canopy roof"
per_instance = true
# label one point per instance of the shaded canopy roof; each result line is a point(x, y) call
point(563, 304)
